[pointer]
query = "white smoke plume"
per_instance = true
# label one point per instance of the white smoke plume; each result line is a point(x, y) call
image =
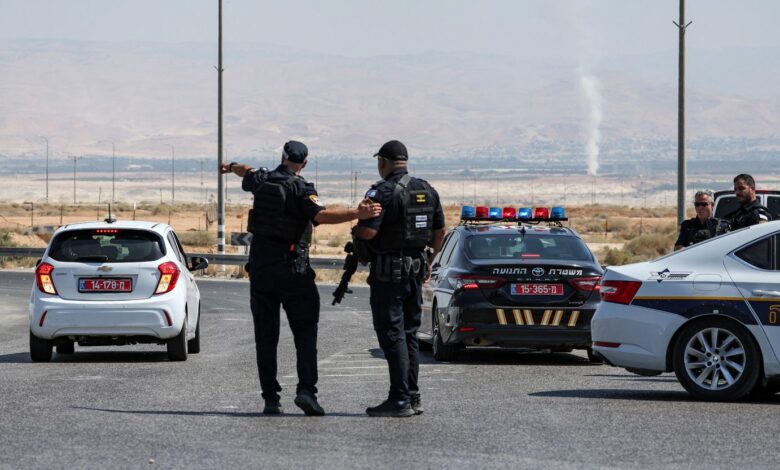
point(590, 87)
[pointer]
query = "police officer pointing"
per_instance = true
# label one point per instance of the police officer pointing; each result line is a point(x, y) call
point(412, 218)
point(285, 209)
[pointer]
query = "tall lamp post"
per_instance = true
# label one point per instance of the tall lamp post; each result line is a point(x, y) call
point(681, 170)
point(47, 168)
point(173, 155)
point(220, 177)
point(113, 169)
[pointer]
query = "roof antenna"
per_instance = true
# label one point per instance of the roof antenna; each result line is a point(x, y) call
point(110, 220)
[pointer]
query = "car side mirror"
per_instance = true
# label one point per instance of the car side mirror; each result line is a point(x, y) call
point(197, 263)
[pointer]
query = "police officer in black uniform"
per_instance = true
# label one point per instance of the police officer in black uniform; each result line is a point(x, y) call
point(285, 209)
point(702, 226)
point(412, 218)
point(750, 212)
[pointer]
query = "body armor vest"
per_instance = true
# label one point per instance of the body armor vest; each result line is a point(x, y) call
point(275, 216)
point(414, 229)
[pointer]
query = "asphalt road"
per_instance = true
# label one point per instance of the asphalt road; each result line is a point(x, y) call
point(130, 407)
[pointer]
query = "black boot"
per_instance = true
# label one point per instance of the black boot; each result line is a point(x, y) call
point(391, 408)
point(416, 404)
point(308, 403)
point(272, 407)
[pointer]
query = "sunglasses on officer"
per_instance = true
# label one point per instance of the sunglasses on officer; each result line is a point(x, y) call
point(701, 204)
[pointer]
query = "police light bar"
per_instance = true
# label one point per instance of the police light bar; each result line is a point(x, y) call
point(510, 214)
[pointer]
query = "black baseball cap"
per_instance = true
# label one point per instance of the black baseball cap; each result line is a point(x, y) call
point(295, 151)
point(393, 150)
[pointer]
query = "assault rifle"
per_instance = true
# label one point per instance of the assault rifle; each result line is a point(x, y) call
point(350, 266)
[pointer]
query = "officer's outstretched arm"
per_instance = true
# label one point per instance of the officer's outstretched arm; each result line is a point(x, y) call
point(365, 210)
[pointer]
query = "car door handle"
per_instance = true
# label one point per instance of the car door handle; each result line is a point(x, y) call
point(766, 293)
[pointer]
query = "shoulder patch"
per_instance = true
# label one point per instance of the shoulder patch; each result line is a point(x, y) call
point(315, 199)
point(371, 193)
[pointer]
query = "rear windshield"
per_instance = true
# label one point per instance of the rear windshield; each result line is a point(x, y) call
point(528, 246)
point(107, 246)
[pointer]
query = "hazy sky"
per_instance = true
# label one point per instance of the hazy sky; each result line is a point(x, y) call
point(521, 28)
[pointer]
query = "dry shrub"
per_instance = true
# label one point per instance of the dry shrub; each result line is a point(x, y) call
point(642, 248)
point(198, 238)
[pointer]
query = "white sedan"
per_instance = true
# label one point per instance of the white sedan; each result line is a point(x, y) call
point(115, 283)
point(710, 313)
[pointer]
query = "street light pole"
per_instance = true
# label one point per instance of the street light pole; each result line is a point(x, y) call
point(173, 155)
point(220, 176)
point(681, 167)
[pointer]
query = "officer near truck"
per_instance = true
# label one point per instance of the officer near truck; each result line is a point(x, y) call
point(394, 243)
point(285, 209)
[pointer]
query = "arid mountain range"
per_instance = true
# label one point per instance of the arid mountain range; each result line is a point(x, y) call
point(143, 96)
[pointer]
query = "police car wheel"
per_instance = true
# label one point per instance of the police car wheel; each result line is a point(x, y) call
point(441, 351)
point(716, 359)
point(193, 345)
point(66, 348)
point(40, 349)
point(177, 346)
point(593, 358)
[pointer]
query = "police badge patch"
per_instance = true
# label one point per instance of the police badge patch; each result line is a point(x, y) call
point(371, 193)
point(315, 199)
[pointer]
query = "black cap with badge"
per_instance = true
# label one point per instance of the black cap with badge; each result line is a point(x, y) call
point(295, 151)
point(393, 150)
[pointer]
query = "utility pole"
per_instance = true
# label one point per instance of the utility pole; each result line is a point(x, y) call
point(202, 194)
point(75, 158)
point(173, 156)
point(221, 177)
point(681, 176)
point(47, 168)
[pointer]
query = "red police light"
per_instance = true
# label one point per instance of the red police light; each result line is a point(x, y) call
point(509, 213)
point(541, 213)
point(482, 212)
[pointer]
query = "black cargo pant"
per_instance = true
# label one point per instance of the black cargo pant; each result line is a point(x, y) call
point(396, 309)
point(272, 286)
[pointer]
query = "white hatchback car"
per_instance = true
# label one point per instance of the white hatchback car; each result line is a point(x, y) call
point(115, 283)
point(710, 313)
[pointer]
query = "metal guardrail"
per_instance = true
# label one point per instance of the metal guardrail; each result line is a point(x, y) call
point(213, 258)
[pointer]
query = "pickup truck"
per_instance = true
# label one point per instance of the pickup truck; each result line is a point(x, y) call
point(726, 202)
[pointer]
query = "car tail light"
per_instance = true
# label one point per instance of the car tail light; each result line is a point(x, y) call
point(587, 284)
point(621, 292)
point(43, 278)
point(169, 274)
point(470, 281)
point(606, 344)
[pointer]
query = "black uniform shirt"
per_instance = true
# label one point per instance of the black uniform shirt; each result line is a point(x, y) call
point(300, 190)
point(392, 209)
point(751, 213)
point(692, 231)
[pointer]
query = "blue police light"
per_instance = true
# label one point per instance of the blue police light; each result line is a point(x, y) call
point(557, 213)
point(524, 213)
point(468, 213)
point(494, 213)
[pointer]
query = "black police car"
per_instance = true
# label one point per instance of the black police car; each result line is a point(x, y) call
point(510, 278)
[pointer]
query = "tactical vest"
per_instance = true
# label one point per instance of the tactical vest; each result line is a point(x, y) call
point(739, 218)
point(275, 216)
point(414, 229)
